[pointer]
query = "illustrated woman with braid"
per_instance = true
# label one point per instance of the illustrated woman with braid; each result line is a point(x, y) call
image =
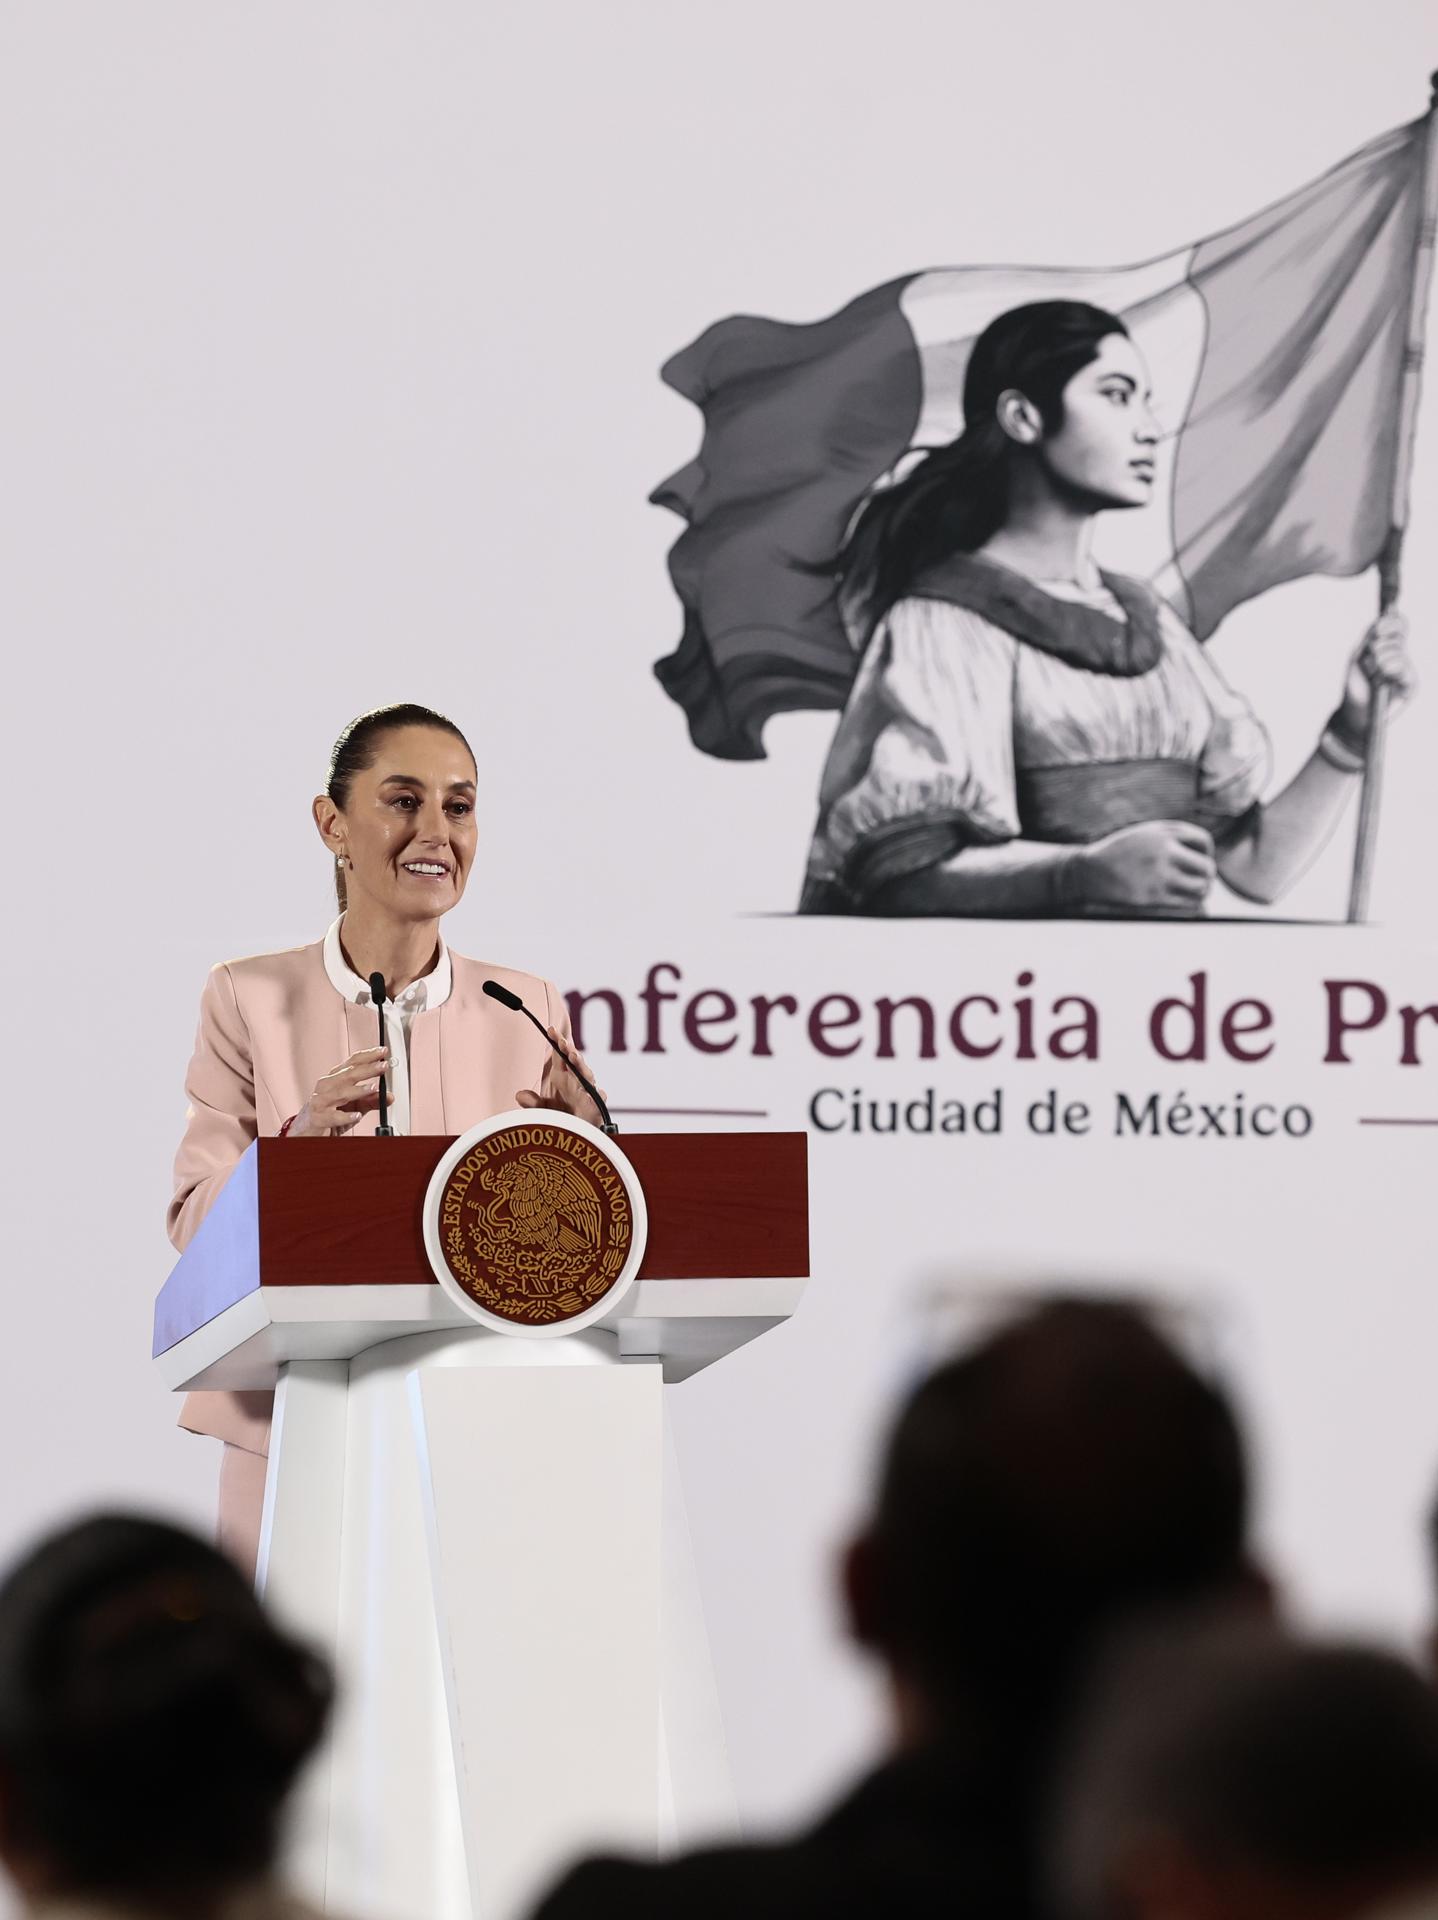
point(1029, 734)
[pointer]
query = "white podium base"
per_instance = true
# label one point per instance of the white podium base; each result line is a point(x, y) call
point(482, 1532)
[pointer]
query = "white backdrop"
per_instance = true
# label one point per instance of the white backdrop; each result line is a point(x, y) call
point(330, 350)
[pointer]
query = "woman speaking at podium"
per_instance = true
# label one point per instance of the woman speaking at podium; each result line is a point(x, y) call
point(287, 1041)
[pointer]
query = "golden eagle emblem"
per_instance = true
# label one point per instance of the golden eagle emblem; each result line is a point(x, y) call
point(536, 1222)
point(543, 1203)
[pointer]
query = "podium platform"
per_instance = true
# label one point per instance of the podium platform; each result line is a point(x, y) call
point(484, 1530)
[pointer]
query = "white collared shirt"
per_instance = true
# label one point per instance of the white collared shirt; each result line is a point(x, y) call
point(430, 990)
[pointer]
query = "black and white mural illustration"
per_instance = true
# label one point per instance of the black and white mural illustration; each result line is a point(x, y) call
point(908, 512)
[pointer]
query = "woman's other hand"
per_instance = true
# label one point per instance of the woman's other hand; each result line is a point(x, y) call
point(1382, 660)
point(558, 1087)
point(1160, 866)
point(342, 1097)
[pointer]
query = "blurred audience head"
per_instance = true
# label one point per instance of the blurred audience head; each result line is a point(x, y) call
point(152, 1719)
point(1233, 1775)
point(1068, 1475)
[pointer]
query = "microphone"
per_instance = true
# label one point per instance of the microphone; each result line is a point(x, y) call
point(377, 994)
point(516, 1005)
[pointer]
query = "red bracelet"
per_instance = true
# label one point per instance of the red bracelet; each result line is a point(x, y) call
point(286, 1127)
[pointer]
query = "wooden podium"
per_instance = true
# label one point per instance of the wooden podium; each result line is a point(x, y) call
point(484, 1530)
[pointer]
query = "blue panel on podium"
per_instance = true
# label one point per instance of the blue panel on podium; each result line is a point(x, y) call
point(221, 1264)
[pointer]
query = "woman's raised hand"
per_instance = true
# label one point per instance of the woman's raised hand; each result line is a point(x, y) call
point(558, 1087)
point(1382, 660)
point(343, 1096)
point(1160, 866)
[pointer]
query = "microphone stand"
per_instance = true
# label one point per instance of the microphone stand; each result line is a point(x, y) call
point(384, 1131)
point(516, 1005)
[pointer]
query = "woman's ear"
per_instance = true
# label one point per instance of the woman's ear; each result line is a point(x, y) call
point(1019, 417)
point(859, 1581)
point(327, 823)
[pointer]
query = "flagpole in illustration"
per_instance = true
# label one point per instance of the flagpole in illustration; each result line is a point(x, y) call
point(1390, 560)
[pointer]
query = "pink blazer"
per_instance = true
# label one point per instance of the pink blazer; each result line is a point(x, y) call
point(273, 1025)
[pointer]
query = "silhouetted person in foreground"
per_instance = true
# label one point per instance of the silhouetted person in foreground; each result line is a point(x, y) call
point(1249, 1778)
point(1069, 1476)
point(152, 1721)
